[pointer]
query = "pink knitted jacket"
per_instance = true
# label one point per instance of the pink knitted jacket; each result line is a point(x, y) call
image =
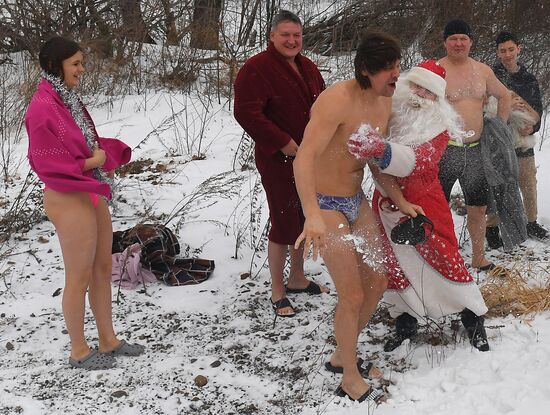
point(58, 149)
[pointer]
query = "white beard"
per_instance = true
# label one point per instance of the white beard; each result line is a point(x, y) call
point(416, 120)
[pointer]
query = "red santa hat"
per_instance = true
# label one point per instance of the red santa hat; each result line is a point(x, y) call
point(430, 75)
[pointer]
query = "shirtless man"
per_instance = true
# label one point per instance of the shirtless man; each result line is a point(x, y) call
point(339, 223)
point(467, 83)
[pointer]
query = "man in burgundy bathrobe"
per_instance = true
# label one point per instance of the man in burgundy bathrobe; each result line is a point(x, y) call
point(274, 91)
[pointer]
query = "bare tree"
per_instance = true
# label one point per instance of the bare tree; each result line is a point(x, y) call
point(247, 22)
point(103, 40)
point(172, 36)
point(205, 28)
point(134, 27)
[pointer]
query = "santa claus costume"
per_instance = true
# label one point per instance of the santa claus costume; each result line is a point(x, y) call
point(429, 279)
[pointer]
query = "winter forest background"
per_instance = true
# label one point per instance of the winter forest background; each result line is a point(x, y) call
point(159, 75)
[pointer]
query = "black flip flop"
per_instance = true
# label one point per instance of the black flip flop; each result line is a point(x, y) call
point(312, 288)
point(282, 303)
point(371, 395)
point(363, 367)
point(489, 267)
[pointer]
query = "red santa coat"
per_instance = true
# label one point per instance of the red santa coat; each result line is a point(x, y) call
point(429, 279)
point(272, 104)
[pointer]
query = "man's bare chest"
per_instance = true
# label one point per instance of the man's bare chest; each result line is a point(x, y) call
point(465, 85)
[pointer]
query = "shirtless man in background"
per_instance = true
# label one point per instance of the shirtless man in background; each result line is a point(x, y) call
point(468, 81)
point(339, 223)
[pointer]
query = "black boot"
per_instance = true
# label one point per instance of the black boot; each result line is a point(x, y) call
point(534, 230)
point(476, 330)
point(406, 327)
point(493, 237)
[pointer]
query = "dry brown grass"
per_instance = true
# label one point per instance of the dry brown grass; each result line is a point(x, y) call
point(507, 291)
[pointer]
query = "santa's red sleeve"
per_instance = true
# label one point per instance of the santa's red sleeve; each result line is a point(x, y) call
point(402, 160)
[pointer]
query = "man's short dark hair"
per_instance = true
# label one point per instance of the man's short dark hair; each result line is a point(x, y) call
point(505, 37)
point(54, 51)
point(284, 16)
point(376, 51)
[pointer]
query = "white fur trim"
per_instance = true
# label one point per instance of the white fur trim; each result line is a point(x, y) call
point(402, 161)
point(428, 79)
point(430, 294)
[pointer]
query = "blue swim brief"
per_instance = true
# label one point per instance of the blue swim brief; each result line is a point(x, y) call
point(347, 205)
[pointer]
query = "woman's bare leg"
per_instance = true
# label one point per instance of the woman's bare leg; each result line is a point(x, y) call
point(99, 293)
point(74, 219)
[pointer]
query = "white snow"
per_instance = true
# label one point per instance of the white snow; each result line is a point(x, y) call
point(267, 366)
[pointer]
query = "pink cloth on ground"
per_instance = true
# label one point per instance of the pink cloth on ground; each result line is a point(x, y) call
point(58, 149)
point(127, 268)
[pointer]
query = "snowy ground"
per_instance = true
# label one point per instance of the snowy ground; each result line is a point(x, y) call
point(224, 329)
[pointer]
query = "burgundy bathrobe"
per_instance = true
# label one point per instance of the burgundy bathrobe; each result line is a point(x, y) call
point(272, 104)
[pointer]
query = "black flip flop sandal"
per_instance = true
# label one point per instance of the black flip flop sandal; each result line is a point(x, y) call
point(363, 367)
point(312, 288)
point(282, 303)
point(371, 395)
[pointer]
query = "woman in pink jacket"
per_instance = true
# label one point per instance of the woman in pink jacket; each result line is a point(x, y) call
point(75, 164)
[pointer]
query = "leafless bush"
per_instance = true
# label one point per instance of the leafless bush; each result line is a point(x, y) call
point(127, 73)
point(218, 187)
point(25, 24)
point(22, 208)
point(542, 132)
point(190, 122)
point(258, 259)
point(246, 219)
point(243, 158)
point(249, 228)
point(219, 77)
point(419, 26)
point(25, 210)
point(179, 67)
point(118, 28)
point(199, 114)
point(14, 97)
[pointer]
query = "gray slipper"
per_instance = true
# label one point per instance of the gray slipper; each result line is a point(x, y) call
point(93, 361)
point(126, 349)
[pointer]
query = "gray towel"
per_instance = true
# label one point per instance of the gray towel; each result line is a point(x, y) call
point(500, 165)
